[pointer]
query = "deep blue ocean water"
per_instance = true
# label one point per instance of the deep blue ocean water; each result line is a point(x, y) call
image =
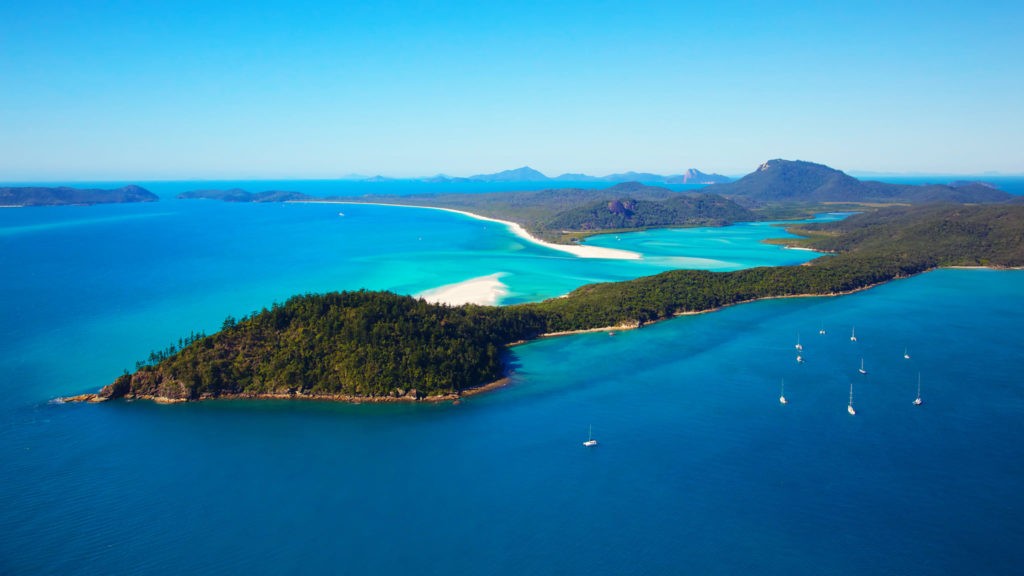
point(699, 468)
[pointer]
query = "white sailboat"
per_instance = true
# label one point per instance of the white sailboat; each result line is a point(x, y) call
point(849, 407)
point(782, 393)
point(853, 334)
point(918, 401)
point(590, 438)
point(822, 330)
point(798, 345)
point(862, 370)
point(799, 359)
point(906, 354)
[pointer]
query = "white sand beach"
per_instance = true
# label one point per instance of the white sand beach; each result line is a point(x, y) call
point(578, 250)
point(486, 290)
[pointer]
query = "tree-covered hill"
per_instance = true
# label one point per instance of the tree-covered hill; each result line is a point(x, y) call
point(377, 344)
point(798, 181)
point(359, 344)
point(624, 213)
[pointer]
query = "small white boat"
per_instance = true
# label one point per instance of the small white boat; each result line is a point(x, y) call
point(853, 334)
point(799, 359)
point(862, 370)
point(918, 401)
point(822, 330)
point(341, 213)
point(798, 345)
point(590, 438)
point(849, 407)
point(906, 354)
point(782, 393)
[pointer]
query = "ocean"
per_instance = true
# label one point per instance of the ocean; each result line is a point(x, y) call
point(699, 468)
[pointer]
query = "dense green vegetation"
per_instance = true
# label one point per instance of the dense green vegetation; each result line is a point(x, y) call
point(62, 195)
point(688, 209)
point(375, 344)
point(365, 344)
point(941, 234)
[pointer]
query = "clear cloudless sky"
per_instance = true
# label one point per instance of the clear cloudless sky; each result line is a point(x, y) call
point(132, 89)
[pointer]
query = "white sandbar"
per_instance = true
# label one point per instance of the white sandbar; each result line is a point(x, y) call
point(486, 290)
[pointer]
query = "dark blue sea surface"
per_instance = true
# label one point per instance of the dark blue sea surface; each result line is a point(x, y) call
point(699, 468)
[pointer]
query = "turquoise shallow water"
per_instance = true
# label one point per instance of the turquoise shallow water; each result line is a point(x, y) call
point(699, 468)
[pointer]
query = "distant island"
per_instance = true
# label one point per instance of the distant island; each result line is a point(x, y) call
point(65, 195)
point(239, 195)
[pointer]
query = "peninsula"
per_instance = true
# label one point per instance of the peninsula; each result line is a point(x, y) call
point(64, 195)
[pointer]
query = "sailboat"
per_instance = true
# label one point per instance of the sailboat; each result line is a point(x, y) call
point(918, 401)
point(849, 407)
point(822, 330)
point(853, 334)
point(798, 345)
point(906, 354)
point(782, 394)
point(799, 359)
point(862, 370)
point(590, 438)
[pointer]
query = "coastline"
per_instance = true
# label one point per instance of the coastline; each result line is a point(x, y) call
point(580, 251)
point(414, 396)
point(411, 396)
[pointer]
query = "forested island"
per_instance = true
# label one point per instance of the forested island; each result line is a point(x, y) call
point(65, 195)
point(379, 346)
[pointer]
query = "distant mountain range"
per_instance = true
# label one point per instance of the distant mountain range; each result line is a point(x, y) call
point(527, 174)
point(798, 181)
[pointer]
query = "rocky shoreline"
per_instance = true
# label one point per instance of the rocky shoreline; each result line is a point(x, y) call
point(398, 396)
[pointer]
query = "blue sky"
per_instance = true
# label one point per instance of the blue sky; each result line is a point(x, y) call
point(168, 90)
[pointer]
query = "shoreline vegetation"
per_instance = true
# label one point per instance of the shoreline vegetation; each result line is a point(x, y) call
point(368, 346)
